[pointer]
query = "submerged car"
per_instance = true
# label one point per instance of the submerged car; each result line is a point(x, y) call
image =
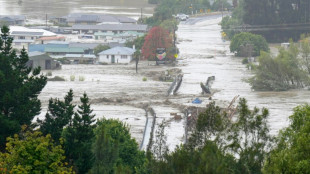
point(182, 17)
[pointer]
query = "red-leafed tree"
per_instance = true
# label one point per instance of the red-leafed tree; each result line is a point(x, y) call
point(157, 37)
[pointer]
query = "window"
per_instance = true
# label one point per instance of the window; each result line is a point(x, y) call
point(107, 56)
point(124, 56)
point(21, 37)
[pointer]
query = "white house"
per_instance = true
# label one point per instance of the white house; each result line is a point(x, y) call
point(116, 55)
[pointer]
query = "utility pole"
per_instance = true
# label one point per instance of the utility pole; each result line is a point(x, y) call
point(141, 15)
point(222, 8)
point(46, 21)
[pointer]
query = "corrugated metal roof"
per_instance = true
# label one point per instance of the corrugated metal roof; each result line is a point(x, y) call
point(118, 51)
point(84, 45)
point(64, 50)
point(97, 18)
point(111, 27)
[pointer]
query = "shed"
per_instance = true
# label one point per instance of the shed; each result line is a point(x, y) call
point(43, 60)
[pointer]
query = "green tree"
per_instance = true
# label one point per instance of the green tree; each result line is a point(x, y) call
point(20, 87)
point(79, 136)
point(280, 73)
point(114, 149)
point(30, 152)
point(291, 153)
point(138, 43)
point(210, 123)
point(305, 52)
point(100, 48)
point(241, 40)
point(249, 138)
point(59, 115)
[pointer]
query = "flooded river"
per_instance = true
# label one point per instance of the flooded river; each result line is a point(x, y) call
point(36, 10)
point(201, 39)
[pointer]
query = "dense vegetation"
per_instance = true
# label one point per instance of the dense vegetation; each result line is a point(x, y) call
point(19, 89)
point(247, 44)
point(276, 20)
point(286, 71)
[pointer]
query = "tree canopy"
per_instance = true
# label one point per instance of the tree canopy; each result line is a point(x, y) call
point(20, 87)
point(30, 152)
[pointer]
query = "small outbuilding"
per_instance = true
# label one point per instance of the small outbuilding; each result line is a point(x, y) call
point(116, 55)
point(43, 60)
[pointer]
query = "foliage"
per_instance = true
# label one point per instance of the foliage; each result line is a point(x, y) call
point(219, 4)
point(305, 52)
point(249, 138)
point(170, 24)
point(30, 152)
point(280, 73)
point(242, 39)
point(138, 42)
point(291, 154)
point(157, 37)
point(210, 123)
point(272, 18)
point(114, 149)
point(79, 136)
point(160, 148)
point(58, 116)
point(100, 48)
point(20, 88)
point(144, 79)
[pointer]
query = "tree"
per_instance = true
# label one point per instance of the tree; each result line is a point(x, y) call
point(79, 136)
point(242, 39)
point(59, 115)
point(138, 43)
point(160, 148)
point(210, 123)
point(100, 48)
point(291, 153)
point(114, 149)
point(279, 73)
point(157, 37)
point(249, 138)
point(30, 152)
point(20, 87)
point(305, 52)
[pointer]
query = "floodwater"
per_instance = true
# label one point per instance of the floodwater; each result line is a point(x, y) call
point(202, 39)
point(36, 10)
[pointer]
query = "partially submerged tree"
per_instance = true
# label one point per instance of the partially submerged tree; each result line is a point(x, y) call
point(20, 87)
point(157, 37)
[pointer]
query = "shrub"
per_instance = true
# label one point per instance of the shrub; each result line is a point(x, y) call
point(242, 39)
point(245, 61)
point(49, 73)
point(81, 78)
point(144, 79)
point(72, 77)
point(56, 78)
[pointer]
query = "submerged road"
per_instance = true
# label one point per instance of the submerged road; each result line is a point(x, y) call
point(200, 39)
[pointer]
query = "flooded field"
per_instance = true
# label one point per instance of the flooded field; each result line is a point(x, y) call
point(36, 10)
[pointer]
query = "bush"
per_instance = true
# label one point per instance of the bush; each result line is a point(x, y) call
point(240, 41)
point(49, 73)
point(81, 78)
point(144, 79)
point(56, 78)
point(245, 61)
point(72, 77)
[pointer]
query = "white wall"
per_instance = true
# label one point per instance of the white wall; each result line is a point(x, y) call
point(118, 59)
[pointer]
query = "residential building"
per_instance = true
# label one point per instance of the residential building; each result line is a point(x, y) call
point(92, 19)
point(109, 28)
point(13, 19)
point(116, 55)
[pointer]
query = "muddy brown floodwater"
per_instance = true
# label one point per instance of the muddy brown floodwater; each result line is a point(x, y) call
point(202, 39)
point(36, 10)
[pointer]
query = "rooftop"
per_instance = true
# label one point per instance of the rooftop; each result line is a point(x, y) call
point(118, 51)
point(63, 50)
point(112, 27)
